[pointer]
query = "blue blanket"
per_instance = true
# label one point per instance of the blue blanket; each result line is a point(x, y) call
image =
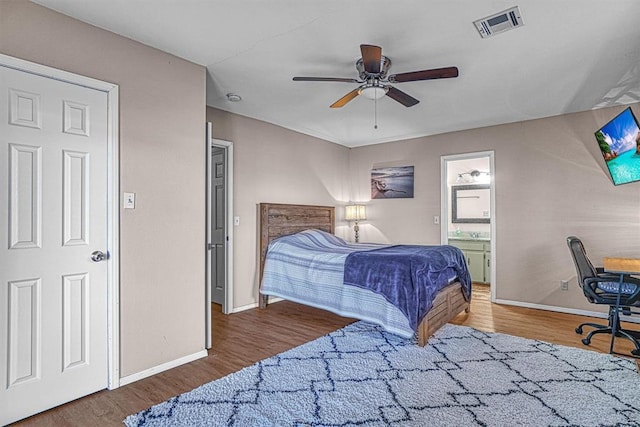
point(409, 277)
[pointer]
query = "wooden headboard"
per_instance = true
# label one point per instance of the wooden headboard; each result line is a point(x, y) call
point(278, 219)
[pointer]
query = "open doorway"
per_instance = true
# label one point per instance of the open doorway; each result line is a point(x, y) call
point(219, 229)
point(468, 212)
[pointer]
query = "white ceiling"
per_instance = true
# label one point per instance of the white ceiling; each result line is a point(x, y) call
point(571, 55)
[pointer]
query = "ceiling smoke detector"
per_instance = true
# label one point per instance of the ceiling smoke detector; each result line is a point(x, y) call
point(499, 22)
point(234, 97)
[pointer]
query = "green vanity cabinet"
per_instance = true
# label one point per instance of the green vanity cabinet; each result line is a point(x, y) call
point(478, 256)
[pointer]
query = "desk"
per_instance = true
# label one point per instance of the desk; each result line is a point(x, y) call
point(620, 266)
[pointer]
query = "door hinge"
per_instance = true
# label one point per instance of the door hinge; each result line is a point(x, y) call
point(210, 246)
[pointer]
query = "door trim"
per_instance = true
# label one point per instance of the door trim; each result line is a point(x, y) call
point(113, 206)
point(227, 306)
point(445, 203)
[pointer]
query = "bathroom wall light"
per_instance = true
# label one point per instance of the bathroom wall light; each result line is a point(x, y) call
point(474, 176)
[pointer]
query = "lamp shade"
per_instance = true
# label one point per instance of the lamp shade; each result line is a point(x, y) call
point(355, 212)
point(373, 92)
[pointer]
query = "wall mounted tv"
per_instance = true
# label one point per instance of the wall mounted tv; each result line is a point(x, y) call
point(619, 142)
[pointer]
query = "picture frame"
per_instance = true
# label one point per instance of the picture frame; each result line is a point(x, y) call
point(392, 182)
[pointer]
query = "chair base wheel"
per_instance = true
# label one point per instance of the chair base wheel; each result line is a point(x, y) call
point(636, 352)
point(579, 330)
point(586, 341)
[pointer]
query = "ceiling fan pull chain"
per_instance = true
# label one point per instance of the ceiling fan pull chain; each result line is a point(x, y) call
point(375, 113)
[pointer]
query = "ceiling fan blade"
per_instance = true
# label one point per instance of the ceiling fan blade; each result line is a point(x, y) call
point(348, 97)
point(401, 97)
point(371, 58)
point(436, 73)
point(325, 79)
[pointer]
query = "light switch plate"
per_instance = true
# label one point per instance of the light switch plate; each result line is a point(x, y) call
point(129, 200)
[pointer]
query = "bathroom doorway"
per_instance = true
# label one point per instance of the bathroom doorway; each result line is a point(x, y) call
point(468, 212)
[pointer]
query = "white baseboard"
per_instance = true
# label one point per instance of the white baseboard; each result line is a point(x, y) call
point(161, 368)
point(564, 310)
point(254, 305)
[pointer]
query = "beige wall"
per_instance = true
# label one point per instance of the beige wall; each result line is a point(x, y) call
point(550, 182)
point(162, 115)
point(275, 165)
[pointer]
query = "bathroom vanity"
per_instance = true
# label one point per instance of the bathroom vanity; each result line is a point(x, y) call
point(477, 251)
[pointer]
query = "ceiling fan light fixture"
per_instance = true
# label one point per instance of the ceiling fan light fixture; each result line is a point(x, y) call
point(376, 83)
point(373, 92)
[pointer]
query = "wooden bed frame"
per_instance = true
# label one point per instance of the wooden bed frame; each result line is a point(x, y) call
point(282, 219)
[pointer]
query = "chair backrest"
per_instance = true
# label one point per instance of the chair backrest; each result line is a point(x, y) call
point(584, 267)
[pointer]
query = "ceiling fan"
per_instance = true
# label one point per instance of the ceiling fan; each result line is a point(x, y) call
point(375, 82)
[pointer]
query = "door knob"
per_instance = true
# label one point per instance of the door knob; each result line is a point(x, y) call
point(97, 256)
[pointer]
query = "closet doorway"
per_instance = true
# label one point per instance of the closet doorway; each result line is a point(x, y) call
point(219, 232)
point(468, 212)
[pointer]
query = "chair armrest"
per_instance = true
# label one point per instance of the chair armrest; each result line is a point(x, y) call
point(600, 271)
point(627, 278)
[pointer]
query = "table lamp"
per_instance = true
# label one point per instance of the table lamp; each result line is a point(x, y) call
point(355, 213)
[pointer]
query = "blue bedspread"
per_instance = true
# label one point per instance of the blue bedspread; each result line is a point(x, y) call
point(408, 276)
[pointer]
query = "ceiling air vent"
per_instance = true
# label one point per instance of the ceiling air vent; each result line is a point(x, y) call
point(499, 23)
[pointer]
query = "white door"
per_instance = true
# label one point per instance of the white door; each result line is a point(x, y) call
point(53, 215)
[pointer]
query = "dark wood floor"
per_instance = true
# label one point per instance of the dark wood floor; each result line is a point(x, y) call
point(242, 339)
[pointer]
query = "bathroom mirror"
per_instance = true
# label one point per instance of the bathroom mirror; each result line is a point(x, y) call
point(470, 204)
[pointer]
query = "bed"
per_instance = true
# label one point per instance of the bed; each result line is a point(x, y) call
point(315, 277)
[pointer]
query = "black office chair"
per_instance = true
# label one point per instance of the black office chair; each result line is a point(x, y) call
point(602, 288)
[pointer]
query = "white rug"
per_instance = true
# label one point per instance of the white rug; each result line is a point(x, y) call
point(361, 375)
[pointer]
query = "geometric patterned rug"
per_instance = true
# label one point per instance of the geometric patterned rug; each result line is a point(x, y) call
point(362, 375)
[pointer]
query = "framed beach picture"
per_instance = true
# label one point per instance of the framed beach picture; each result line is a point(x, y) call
point(392, 183)
point(619, 142)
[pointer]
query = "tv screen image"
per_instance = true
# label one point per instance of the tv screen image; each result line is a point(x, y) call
point(619, 142)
